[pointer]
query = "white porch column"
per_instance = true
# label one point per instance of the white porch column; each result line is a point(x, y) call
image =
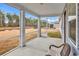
point(46, 28)
point(22, 29)
point(62, 28)
point(39, 27)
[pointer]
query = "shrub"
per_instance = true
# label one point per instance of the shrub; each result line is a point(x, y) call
point(54, 34)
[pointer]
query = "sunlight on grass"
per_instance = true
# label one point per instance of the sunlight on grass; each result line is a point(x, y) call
point(54, 34)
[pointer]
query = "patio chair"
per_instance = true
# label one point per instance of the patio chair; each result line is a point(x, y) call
point(65, 51)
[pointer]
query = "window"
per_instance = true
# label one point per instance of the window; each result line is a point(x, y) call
point(72, 29)
point(72, 21)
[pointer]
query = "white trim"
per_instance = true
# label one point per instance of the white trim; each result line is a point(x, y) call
point(70, 40)
point(72, 18)
point(77, 25)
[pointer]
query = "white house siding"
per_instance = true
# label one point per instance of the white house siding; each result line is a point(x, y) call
point(74, 48)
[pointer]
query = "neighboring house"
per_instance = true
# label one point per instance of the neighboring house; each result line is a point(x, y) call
point(56, 25)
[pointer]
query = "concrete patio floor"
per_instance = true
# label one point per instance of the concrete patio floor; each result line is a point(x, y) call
point(36, 47)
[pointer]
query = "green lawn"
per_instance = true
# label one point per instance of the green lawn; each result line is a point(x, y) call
point(54, 34)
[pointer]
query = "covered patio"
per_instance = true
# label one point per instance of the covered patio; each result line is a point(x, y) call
point(36, 47)
point(40, 45)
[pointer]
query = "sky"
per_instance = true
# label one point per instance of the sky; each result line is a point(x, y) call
point(8, 9)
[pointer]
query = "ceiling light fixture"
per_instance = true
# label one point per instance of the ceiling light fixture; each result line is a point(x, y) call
point(41, 3)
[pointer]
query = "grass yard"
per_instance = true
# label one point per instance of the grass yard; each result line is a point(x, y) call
point(10, 39)
point(54, 34)
point(6, 45)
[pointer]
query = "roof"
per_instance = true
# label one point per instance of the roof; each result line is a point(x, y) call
point(41, 9)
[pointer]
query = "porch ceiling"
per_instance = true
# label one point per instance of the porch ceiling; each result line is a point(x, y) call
point(41, 9)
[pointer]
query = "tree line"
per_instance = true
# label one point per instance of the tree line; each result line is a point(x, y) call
point(13, 20)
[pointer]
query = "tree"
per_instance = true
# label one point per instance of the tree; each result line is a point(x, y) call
point(34, 22)
point(10, 19)
point(43, 24)
point(1, 18)
point(15, 20)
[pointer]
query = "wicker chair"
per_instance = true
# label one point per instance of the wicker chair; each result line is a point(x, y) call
point(65, 51)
